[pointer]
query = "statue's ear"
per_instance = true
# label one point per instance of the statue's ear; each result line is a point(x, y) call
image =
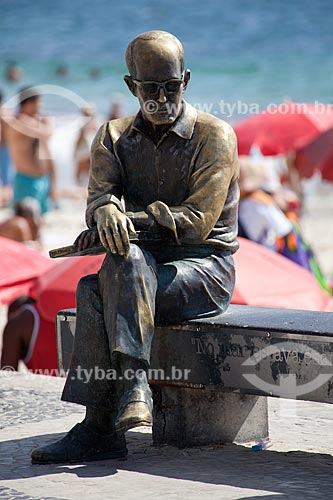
point(187, 77)
point(130, 84)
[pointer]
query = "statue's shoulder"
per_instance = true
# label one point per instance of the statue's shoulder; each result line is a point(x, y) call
point(118, 126)
point(110, 131)
point(211, 124)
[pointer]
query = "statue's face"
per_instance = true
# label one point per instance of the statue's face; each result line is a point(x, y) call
point(159, 84)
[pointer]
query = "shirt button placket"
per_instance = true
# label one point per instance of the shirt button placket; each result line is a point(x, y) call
point(159, 169)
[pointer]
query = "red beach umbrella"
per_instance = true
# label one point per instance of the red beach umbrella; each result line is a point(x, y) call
point(56, 288)
point(317, 155)
point(285, 128)
point(265, 278)
point(326, 168)
point(20, 265)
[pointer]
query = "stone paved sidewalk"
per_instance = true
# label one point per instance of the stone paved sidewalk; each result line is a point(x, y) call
point(32, 414)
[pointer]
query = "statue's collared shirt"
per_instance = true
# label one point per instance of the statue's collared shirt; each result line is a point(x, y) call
point(188, 180)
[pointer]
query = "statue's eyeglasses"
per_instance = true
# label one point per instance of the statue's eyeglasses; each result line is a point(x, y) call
point(152, 88)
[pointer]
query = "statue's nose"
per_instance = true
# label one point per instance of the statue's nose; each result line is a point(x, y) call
point(161, 96)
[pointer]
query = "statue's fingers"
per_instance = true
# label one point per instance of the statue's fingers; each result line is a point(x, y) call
point(130, 227)
point(78, 242)
point(96, 237)
point(111, 243)
point(124, 237)
point(89, 239)
point(83, 242)
point(103, 238)
point(119, 242)
point(92, 238)
point(116, 237)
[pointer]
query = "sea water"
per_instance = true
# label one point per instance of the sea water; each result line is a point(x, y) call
point(241, 53)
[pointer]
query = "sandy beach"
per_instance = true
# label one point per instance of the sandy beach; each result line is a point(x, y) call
point(317, 226)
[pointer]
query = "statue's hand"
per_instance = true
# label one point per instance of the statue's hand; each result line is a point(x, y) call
point(86, 239)
point(114, 228)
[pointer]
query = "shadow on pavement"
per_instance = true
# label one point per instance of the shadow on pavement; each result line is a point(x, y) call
point(291, 475)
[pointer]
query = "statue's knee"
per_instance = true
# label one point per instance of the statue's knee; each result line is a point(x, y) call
point(86, 286)
point(135, 253)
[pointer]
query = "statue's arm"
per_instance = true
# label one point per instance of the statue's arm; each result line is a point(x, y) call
point(105, 187)
point(105, 176)
point(104, 207)
point(216, 166)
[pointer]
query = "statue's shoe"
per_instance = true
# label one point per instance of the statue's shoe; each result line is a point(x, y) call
point(81, 444)
point(135, 410)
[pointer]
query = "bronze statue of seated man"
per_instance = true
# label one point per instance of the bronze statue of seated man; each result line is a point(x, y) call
point(172, 171)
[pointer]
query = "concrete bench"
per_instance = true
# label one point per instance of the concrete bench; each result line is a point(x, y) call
point(211, 377)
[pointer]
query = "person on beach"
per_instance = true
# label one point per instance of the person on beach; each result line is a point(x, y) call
point(24, 225)
point(83, 145)
point(116, 108)
point(30, 338)
point(6, 173)
point(28, 137)
point(259, 217)
point(262, 220)
point(177, 170)
point(13, 72)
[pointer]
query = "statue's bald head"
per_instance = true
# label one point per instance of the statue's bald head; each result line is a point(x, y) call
point(153, 49)
point(157, 78)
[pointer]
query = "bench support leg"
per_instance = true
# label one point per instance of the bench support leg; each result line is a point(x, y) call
point(186, 417)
